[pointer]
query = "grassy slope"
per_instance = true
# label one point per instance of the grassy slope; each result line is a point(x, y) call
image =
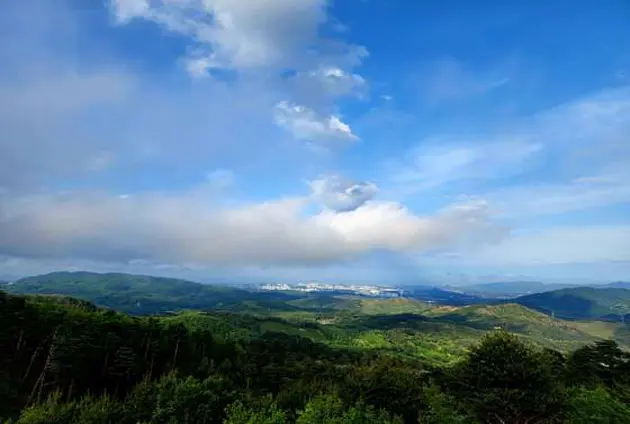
point(536, 326)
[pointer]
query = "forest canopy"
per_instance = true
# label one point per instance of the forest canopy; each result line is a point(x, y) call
point(68, 361)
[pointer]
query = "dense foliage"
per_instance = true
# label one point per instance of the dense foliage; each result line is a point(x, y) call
point(67, 361)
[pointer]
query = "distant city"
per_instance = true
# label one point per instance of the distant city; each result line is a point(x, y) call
point(364, 290)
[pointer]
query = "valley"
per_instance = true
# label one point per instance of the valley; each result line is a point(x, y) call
point(427, 322)
point(125, 348)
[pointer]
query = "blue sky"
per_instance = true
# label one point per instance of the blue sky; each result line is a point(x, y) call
point(378, 140)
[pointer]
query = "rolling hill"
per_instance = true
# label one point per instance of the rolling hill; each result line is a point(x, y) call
point(535, 325)
point(436, 331)
point(510, 289)
point(581, 303)
point(138, 294)
point(441, 295)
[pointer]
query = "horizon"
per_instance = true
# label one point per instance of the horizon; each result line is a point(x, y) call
point(439, 284)
point(291, 140)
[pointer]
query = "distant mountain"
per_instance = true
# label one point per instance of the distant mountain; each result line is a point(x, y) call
point(581, 303)
point(442, 296)
point(144, 294)
point(619, 285)
point(510, 288)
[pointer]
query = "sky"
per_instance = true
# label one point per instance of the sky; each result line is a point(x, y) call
point(383, 141)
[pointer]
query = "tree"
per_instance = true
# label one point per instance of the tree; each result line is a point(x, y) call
point(601, 363)
point(189, 401)
point(505, 381)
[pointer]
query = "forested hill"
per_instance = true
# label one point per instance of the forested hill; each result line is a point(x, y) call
point(581, 303)
point(410, 327)
point(140, 294)
point(65, 361)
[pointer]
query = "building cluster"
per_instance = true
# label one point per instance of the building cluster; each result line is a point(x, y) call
point(358, 289)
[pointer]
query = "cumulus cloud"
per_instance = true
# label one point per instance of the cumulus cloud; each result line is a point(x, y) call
point(306, 124)
point(342, 194)
point(123, 120)
point(67, 114)
point(194, 229)
point(236, 34)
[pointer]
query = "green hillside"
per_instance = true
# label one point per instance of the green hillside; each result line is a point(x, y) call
point(537, 326)
point(581, 303)
point(406, 327)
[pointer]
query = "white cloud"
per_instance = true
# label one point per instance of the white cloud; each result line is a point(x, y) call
point(189, 228)
point(342, 194)
point(338, 81)
point(306, 124)
point(390, 225)
point(120, 119)
point(326, 83)
point(236, 34)
point(129, 9)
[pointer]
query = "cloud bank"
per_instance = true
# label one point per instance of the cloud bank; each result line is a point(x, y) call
point(190, 229)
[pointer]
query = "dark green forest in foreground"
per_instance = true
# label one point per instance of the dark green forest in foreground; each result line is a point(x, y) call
point(68, 361)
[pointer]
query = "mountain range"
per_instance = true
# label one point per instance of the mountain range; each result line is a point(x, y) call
point(564, 317)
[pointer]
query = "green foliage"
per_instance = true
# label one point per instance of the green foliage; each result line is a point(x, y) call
point(601, 363)
point(267, 413)
point(88, 410)
point(329, 409)
point(596, 406)
point(188, 400)
point(67, 361)
point(441, 408)
point(505, 380)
